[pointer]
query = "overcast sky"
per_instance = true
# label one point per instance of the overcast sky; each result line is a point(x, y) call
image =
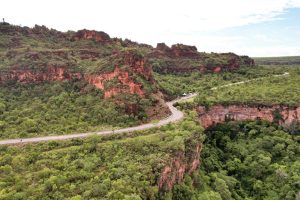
point(251, 27)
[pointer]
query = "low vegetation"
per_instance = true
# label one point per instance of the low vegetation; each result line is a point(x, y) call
point(279, 61)
point(176, 85)
point(267, 91)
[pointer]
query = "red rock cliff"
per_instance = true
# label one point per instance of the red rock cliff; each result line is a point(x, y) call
point(219, 114)
point(137, 64)
point(182, 164)
point(49, 73)
point(176, 51)
point(134, 64)
point(98, 36)
point(181, 58)
point(123, 77)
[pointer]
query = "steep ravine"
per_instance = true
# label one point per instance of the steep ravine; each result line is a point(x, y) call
point(183, 162)
point(186, 163)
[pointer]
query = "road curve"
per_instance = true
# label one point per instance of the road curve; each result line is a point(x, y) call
point(175, 116)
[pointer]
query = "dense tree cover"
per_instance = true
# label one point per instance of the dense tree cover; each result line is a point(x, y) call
point(109, 167)
point(176, 85)
point(270, 90)
point(28, 110)
point(245, 160)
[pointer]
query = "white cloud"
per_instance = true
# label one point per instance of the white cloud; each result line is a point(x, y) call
point(145, 21)
point(293, 3)
point(155, 15)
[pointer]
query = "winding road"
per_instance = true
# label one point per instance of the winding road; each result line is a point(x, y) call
point(174, 117)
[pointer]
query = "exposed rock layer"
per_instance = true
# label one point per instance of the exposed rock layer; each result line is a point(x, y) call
point(183, 163)
point(128, 86)
point(125, 83)
point(98, 36)
point(219, 114)
point(176, 51)
point(180, 58)
point(50, 73)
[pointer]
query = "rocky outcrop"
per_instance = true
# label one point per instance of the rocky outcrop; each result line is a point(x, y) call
point(137, 64)
point(49, 73)
point(134, 64)
point(233, 61)
point(176, 51)
point(246, 60)
point(163, 47)
point(123, 77)
point(179, 59)
point(219, 114)
point(98, 36)
point(126, 64)
point(181, 50)
point(52, 73)
point(183, 163)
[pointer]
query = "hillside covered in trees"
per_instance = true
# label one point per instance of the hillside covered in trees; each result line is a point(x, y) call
point(54, 83)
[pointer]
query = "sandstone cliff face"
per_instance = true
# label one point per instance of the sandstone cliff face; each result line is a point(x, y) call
point(176, 51)
point(138, 65)
point(183, 163)
point(49, 73)
point(98, 36)
point(180, 50)
point(123, 77)
point(219, 114)
point(52, 73)
point(181, 58)
point(135, 64)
